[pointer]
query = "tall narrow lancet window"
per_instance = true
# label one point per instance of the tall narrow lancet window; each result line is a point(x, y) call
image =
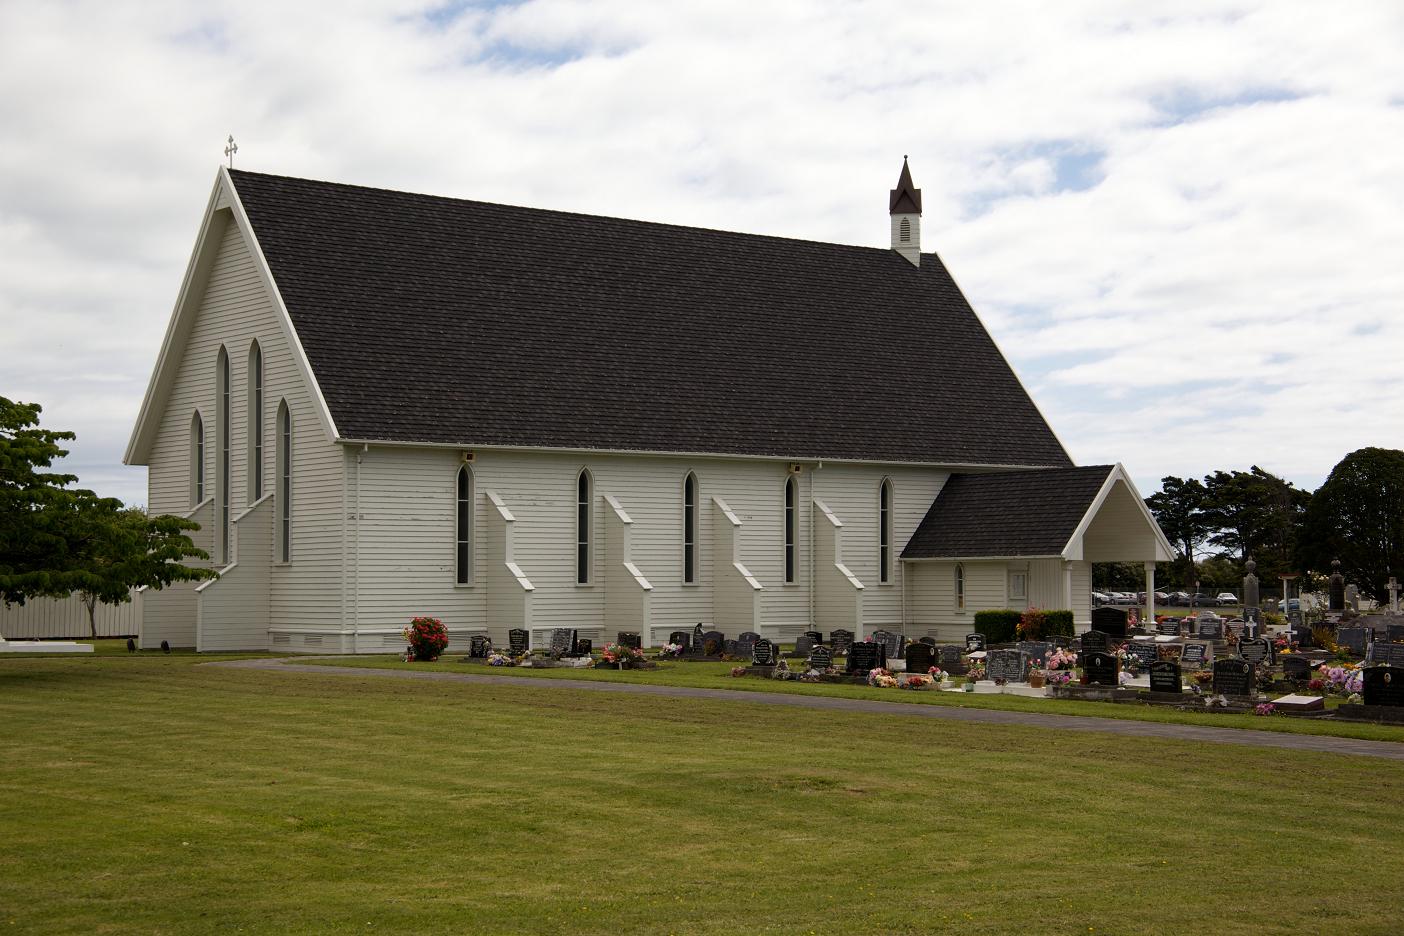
point(463, 547)
point(885, 532)
point(960, 587)
point(790, 530)
point(582, 527)
point(197, 460)
point(222, 378)
point(255, 416)
point(284, 491)
point(690, 528)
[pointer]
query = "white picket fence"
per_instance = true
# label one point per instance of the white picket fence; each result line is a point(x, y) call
point(66, 618)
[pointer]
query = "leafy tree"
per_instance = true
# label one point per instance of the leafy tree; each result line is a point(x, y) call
point(1179, 509)
point(1357, 516)
point(56, 540)
point(1255, 515)
point(1119, 576)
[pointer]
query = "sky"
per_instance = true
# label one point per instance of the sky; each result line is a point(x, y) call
point(1182, 222)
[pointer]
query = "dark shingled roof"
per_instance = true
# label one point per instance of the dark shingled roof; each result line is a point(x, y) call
point(433, 319)
point(1007, 513)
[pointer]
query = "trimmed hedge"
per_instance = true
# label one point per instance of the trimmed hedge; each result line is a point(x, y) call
point(997, 624)
point(1057, 624)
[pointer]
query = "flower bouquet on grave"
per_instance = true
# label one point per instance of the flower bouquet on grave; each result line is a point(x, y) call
point(880, 678)
point(1130, 663)
point(671, 651)
point(976, 672)
point(1265, 676)
point(738, 671)
point(427, 638)
point(782, 671)
point(1057, 678)
point(621, 655)
point(1204, 677)
point(1061, 659)
point(1267, 708)
point(500, 659)
point(918, 681)
point(938, 675)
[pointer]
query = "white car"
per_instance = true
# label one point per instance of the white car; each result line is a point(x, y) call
point(1227, 598)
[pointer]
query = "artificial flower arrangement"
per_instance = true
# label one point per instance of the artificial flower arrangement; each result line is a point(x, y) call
point(500, 659)
point(1283, 644)
point(1341, 680)
point(880, 678)
point(1057, 677)
point(782, 671)
point(1061, 659)
point(918, 681)
point(1204, 677)
point(938, 674)
point(427, 639)
point(738, 671)
point(1267, 708)
point(621, 655)
point(671, 651)
point(1130, 663)
point(976, 672)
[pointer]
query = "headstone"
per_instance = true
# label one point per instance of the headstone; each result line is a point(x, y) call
point(1383, 685)
point(1195, 653)
point(752, 636)
point(1394, 633)
point(841, 640)
point(865, 656)
point(732, 648)
point(562, 642)
point(479, 647)
point(821, 658)
point(583, 646)
point(1168, 627)
point(1095, 640)
point(804, 644)
point(974, 642)
point(681, 638)
point(1302, 635)
point(1011, 665)
point(763, 653)
point(1296, 667)
point(713, 643)
point(1388, 654)
point(518, 640)
point(1234, 628)
point(630, 639)
point(1256, 651)
point(1165, 676)
point(1335, 587)
point(1354, 639)
point(950, 660)
point(1250, 585)
point(920, 658)
point(1253, 615)
point(1296, 619)
point(746, 644)
point(1352, 597)
point(1100, 668)
point(929, 641)
point(1145, 653)
point(1211, 630)
point(699, 641)
point(1038, 651)
point(815, 638)
point(1234, 677)
point(1062, 643)
point(894, 645)
point(1110, 621)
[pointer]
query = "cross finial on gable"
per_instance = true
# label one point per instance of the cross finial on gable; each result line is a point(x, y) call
point(230, 149)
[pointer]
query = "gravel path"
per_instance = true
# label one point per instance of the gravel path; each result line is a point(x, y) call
point(1140, 729)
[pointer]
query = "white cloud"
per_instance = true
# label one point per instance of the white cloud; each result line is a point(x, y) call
point(1183, 225)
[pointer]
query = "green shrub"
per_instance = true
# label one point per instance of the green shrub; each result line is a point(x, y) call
point(1057, 624)
point(997, 624)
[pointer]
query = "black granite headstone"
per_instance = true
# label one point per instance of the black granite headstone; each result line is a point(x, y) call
point(974, 643)
point(732, 648)
point(583, 646)
point(950, 660)
point(562, 642)
point(841, 640)
point(821, 658)
point(1256, 651)
point(803, 645)
point(929, 641)
point(1170, 627)
point(1100, 668)
point(752, 636)
point(1383, 685)
point(1038, 650)
point(680, 638)
point(894, 646)
point(1380, 652)
point(1296, 667)
point(1195, 653)
point(1145, 653)
point(630, 639)
point(920, 658)
point(1394, 633)
point(1165, 676)
point(517, 641)
point(699, 641)
point(479, 647)
point(1111, 621)
point(1095, 640)
point(763, 653)
point(1211, 630)
point(815, 637)
point(1234, 677)
point(865, 656)
point(1011, 665)
point(712, 643)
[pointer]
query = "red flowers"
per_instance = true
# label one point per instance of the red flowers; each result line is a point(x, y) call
point(427, 638)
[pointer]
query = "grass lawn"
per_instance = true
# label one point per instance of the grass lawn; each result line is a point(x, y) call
point(148, 794)
point(718, 676)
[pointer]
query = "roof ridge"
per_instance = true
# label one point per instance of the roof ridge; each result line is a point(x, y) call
point(236, 173)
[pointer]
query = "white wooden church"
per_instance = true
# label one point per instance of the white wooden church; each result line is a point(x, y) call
point(379, 405)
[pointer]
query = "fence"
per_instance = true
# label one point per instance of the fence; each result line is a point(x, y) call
point(66, 618)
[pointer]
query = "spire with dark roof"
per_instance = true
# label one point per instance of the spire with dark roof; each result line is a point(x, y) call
point(906, 197)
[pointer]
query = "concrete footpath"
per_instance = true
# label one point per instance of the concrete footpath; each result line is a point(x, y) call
point(1137, 729)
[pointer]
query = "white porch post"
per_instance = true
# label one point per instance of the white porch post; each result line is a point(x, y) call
point(1068, 590)
point(1150, 593)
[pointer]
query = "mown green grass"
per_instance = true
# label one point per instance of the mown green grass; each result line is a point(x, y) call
point(151, 795)
point(709, 675)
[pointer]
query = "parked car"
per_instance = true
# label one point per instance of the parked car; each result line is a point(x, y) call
point(1177, 599)
point(1227, 598)
point(1100, 598)
point(1162, 598)
point(1294, 604)
point(1204, 601)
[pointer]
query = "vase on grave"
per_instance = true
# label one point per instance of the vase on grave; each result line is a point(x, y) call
point(1036, 680)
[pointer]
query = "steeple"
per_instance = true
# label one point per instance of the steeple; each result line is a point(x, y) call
point(904, 205)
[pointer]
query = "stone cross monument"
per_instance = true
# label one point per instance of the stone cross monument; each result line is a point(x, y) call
point(1250, 591)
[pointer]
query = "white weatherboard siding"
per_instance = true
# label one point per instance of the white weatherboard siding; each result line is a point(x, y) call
point(736, 595)
point(170, 614)
point(932, 596)
point(234, 310)
point(400, 555)
point(233, 609)
point(1080, 575)
point(627, 591)
point(838, 593)
point(1119, 532)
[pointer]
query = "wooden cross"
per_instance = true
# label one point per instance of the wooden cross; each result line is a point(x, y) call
point(230, 149)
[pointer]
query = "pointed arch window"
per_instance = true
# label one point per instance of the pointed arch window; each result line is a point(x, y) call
point(885, 532)
point(791, 525)
point(197, 459)
point(285, 479)
point(960, 587)
point(463, 546)
point(222, 390)
point(255, 416)
point(583, 499)
point(690, 529)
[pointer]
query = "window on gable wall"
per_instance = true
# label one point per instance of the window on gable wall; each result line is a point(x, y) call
point(790, 529)
point(690, 528)
point(582, 528)
point(463, 517)
point(885, 532)
point(1018, 587)
point(960, 587)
